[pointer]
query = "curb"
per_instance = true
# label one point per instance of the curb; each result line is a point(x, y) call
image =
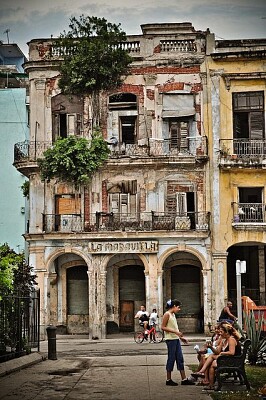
point(20, 363)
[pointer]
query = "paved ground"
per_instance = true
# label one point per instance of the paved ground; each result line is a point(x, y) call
point(113, 369)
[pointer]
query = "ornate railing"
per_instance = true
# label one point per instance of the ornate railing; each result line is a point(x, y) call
point(178, 45)
point(249, 212)
point(147, 221)
point(60, 51)
point(242, 150)
point(195, 146)
point(30, 151)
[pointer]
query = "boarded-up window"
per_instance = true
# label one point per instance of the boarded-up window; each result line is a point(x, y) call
point(248, 115)
point(77, 291)
point(68, 204)
point(177, 105)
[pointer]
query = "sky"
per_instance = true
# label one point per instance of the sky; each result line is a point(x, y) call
point(35, 19)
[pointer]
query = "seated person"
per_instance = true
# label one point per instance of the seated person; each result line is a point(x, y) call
point(229, 345)
point(143, 317)
point(226, 314)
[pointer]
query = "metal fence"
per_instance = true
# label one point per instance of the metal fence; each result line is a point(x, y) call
point(19, 325)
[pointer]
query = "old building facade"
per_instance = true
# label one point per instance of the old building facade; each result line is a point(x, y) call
point(141, 232)
point(235, 110)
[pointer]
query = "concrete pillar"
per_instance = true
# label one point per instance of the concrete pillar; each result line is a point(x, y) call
point(219, 284)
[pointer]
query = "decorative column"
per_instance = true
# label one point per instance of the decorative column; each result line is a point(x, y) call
point(219, 283)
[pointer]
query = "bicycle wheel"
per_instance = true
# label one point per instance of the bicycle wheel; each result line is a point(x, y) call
point(139, 337)
point(158, 337)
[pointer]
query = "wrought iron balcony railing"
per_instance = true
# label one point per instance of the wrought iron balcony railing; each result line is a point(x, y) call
point(242, 151)
point(249, 212)
point(30, 151)
point(104, 222)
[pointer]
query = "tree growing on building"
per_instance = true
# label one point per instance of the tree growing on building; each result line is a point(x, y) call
point(93, 59)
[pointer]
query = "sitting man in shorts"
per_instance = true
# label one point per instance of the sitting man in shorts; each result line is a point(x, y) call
point(143, 317)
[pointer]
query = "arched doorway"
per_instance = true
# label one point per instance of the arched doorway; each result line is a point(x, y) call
point(125, 292)
point(77, 299)
point(253, 281)
point(183, 281)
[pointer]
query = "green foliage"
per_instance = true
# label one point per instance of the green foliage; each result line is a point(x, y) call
point(253, 332)
point(93, 59)
point(74, 159)
point(25, 187)
point(15, 274)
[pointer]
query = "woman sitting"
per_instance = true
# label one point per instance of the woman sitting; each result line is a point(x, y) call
point(229, 346)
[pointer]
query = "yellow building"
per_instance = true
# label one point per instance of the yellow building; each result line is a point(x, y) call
point(234, 110)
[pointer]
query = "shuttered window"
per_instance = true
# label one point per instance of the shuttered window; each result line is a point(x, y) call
point(123, 203)
point(248, 115)
point(179, 131)
point(65, 125)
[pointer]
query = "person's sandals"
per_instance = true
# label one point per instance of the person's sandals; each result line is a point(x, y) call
point(171, 383)
point(197, 375)
point(209, 387)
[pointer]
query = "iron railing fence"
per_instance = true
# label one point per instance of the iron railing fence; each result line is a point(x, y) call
point(19, 324)
point(249, 212)
point(30, 151)
point(242, 148)
point(146, 221)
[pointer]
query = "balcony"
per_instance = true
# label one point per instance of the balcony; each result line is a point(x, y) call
point(29, 151)
point(249, 216)
point(106, 222)
point(195, 147)
point(242, 153)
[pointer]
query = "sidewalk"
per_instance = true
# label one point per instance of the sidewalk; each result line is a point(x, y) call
point(113, 369)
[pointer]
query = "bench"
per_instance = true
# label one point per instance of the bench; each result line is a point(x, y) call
point(233, 365)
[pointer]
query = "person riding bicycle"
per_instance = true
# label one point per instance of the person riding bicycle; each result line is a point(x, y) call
point(143, 317)
point(153, 317)
point(153, 322)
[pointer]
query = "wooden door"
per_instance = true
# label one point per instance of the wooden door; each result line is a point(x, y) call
point(126, 321)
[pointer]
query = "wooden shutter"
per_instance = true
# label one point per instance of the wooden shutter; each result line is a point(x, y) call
point(181, 202)
point(183, 127)
point(71, 122)
point(56, 125)
point(114, 204)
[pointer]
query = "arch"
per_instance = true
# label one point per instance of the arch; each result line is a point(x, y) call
point(57, 253)
point(186, 249)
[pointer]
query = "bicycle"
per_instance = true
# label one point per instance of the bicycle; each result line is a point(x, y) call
point(155, 336)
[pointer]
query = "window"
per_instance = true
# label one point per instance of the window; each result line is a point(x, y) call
point(67, 116)
point(65, 125)
point(128, 129)
point(123, 198)
point(250, 207)
point(178, 133)
point(248, 115)
point(122, 121)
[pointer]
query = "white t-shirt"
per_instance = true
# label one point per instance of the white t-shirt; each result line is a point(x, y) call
point(153, 318)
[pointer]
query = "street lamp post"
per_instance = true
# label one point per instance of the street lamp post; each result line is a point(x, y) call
point(240, 269)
